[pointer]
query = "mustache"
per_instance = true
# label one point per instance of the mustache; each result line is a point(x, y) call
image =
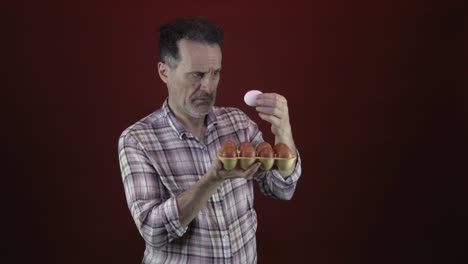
point(203, 96)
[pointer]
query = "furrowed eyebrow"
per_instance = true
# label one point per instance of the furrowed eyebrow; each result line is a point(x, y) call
point(202, 73)
point(219, 69)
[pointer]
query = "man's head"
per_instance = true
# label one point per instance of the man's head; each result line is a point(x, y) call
point(190, 64)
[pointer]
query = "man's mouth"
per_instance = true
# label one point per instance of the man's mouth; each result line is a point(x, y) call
point(203, 100)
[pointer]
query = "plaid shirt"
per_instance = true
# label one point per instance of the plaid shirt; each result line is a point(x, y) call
point(159, 159)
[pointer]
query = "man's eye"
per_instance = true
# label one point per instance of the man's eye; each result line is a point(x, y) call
point(198, 75)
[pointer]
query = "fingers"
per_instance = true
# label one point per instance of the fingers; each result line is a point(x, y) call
point(273, 108)
point(271, 99)
point(216, 168)
point(274, 120)
point(253, 168)
point(238, 173)
point(271, 96)
point(278, 112)
point(272, 104)
point(250, 172)
point(217, 165)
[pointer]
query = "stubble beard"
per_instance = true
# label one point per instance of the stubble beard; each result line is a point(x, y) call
point(191, 104)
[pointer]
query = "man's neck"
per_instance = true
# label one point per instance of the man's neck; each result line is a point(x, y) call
point(194, 125)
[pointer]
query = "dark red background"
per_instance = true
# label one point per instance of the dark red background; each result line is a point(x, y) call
point(376, 102)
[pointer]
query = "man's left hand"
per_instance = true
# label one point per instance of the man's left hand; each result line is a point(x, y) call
point(273, 108)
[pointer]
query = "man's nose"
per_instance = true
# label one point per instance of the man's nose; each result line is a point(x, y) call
point(208, 83)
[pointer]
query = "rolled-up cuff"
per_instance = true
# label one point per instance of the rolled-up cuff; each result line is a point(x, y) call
point(291, 179)
point(173, 225)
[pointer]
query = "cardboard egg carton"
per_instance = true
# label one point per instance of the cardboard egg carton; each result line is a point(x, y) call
point(283, 164)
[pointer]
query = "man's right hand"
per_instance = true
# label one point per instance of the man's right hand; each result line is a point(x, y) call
point(218, 172)
point(193, 199)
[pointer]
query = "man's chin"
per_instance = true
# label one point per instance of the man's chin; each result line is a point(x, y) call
point(200, 111)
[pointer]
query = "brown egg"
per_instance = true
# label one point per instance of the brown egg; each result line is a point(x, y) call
point(227, 152)
point(264, 150)
point(229, 143)
point(265, 153)
point(263, 145)
point(246, 150)
point(283, 151)
point(228, 149)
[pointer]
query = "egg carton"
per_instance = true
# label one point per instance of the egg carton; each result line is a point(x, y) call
point(283, 164)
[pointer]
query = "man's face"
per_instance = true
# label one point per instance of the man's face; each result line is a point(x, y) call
point(192, 84)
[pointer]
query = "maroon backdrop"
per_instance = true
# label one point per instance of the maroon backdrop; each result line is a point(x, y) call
point(374, 90)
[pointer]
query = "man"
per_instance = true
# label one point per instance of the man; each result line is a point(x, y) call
point(187, 208)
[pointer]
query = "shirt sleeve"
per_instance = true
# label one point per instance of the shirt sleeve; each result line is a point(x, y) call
point(155, 214)
point(270, 182)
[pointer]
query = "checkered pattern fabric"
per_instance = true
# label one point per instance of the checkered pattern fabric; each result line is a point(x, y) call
point(159, 159)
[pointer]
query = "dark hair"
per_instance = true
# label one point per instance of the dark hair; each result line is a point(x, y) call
point(195, 28)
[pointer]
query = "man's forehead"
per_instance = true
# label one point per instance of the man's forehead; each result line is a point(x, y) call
point(200, 56)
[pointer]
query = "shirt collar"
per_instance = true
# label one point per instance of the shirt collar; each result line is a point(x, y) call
point(177, 126)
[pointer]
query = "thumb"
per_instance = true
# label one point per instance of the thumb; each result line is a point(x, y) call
point(217, 164)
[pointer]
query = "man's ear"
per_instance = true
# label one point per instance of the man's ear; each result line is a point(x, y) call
point(163, 71)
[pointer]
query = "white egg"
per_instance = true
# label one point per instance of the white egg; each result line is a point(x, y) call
point(250, 97)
